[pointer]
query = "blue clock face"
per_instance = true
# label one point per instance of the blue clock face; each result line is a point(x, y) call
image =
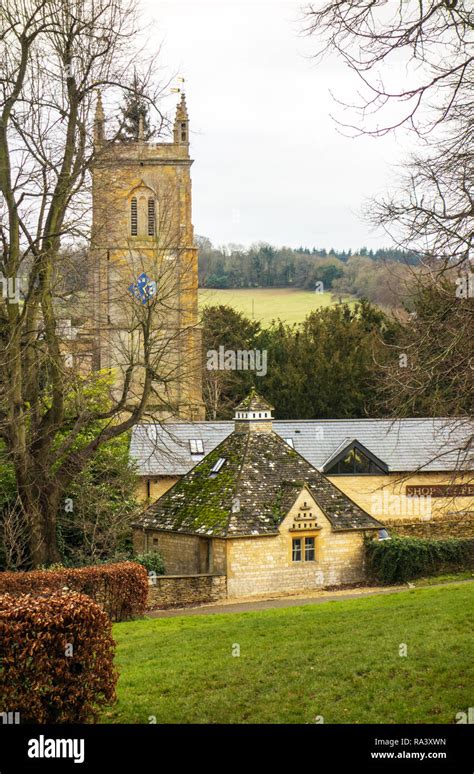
point(143, 289)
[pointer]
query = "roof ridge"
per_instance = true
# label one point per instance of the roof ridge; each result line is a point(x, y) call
point(324, 478)
point(237, 480)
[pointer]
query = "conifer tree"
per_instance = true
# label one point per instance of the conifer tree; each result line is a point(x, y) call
point(135, 106)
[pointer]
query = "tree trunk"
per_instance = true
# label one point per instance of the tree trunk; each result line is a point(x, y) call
point(41, 511)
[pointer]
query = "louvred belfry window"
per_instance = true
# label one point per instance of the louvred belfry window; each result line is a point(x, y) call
point(134, 216)
point(151, 217)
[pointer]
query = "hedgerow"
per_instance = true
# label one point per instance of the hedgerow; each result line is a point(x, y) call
point(403, 558)
point(56, 655)
point(121, 589)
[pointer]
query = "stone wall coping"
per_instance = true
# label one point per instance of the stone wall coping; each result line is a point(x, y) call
point(195, 575)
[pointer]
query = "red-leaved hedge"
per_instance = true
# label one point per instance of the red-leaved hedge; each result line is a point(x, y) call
point(56, 653)
point(121, 589)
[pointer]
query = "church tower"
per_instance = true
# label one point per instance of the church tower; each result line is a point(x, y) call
point(144, 268)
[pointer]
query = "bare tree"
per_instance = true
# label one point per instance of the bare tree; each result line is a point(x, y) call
point(414, 63)
point(55, 54)
point(14, 531)
point(413, 59)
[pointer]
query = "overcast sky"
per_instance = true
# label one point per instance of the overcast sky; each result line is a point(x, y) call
point(270, 164)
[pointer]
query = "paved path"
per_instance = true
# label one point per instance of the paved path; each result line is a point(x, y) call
point(267, 604)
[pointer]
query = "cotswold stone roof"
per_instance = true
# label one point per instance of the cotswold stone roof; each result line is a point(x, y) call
point(404, 445)
point(254, 402)
point(252, 492)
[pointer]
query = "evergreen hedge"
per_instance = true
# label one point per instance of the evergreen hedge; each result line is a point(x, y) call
point(402, 558)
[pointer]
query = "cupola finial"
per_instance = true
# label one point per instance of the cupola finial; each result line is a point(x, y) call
point(254, 414)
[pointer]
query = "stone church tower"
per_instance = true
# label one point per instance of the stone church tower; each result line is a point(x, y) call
point(144, 268)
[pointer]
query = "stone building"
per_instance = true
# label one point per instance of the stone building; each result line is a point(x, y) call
point(144, 264)
point(407, 473)
point(256, 511)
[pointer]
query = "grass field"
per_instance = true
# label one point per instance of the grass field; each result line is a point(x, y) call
point(338, 660)
point(267, 304)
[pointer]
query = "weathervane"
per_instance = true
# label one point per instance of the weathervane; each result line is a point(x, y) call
point(177, 89)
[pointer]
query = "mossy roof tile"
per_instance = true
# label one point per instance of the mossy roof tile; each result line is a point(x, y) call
point(263, 475)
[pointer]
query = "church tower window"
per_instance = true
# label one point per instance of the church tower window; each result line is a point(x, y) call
point(134, 216)
point(151, 217)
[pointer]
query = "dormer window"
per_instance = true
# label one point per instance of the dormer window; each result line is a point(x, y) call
point(354, 459)
point(196, 446)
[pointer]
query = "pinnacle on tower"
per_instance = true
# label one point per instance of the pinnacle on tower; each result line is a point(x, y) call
point(181, 123)
point(99, 120)
point(141, 128)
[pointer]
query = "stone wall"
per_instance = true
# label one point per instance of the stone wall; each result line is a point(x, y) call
point(384, 497)
point(185, 590)
point(261, 565)
point(454, 526)
point(182, 554)
point(155, 485)
point(264, 564)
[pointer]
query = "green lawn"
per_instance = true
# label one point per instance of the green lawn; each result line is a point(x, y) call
point(339, 660)
point(267, 304)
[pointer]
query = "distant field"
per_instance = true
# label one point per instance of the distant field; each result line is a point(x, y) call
point(267, 304)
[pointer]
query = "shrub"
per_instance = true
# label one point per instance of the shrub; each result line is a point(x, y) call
point(121, 589)
point(402, 558)
point(104, 506)
point(152, 561)
point(57, 657)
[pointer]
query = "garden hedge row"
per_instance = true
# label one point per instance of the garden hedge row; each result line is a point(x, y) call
point(121, 589)
point(57, 657)
point(403, 558)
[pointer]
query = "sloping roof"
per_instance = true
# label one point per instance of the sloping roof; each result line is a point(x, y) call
point(404, 445)
point(264, 476)
point(254, 402)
